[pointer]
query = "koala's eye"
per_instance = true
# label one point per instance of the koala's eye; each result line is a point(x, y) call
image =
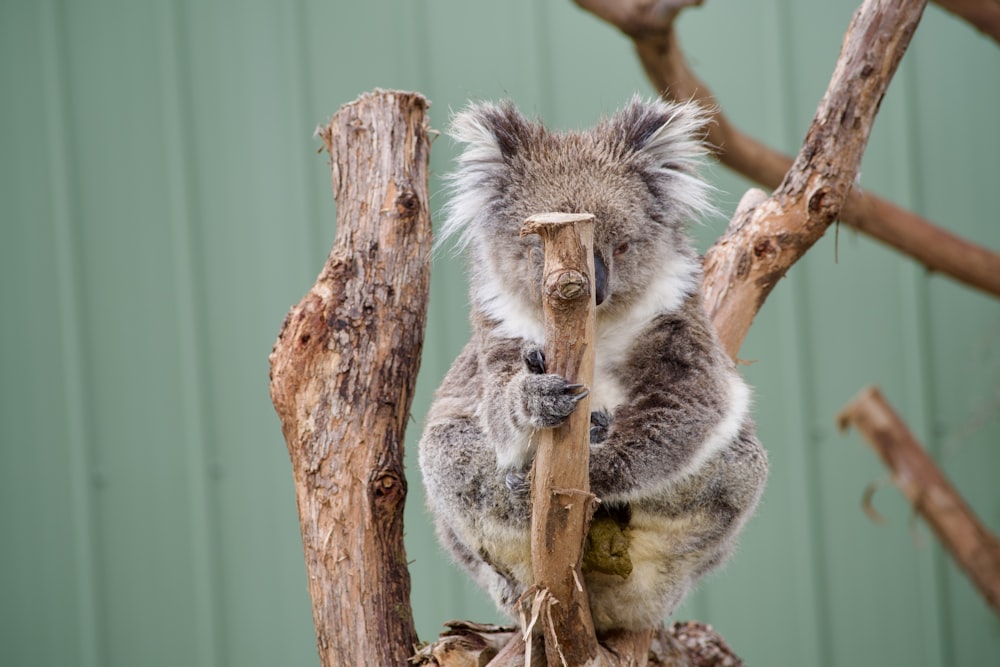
point(621, 248)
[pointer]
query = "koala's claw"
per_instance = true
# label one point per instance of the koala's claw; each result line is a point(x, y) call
point(516, 482)
point(600, 422)
point(549, 399)
point(534, 359)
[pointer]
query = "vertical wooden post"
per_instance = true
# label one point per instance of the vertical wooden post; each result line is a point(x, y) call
point(343, 372)
point(562, 504)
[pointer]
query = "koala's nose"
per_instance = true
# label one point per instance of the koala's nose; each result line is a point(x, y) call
point(600, 278)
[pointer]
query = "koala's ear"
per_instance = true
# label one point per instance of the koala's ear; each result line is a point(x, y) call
point(671, 135)
point(492, 132)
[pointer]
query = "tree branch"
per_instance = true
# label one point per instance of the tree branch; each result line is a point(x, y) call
point(969, 542)
point(984, 15)
point(342, 376)
point(663, 60)
point(763, 242)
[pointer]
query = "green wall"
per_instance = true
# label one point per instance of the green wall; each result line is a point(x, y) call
point(162, 204)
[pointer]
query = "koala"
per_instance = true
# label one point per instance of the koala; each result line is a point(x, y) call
point(674, 457)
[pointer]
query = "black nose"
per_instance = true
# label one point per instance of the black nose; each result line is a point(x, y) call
point(600, 279)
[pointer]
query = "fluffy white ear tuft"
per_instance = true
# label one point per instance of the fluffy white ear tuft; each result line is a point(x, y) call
point(472, 127)
point(670, 136)
point(493, 134)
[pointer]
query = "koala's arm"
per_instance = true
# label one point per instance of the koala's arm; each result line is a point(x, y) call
point(684, 405)
point(518, 397)
point(456, 458)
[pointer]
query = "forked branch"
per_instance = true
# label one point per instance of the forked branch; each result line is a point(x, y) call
point(651, 27)
point(763, 242)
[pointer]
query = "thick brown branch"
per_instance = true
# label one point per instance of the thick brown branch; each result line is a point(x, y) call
point(342, 376)
point(984, 15)
point(763, 243)
point(663, 60)
point(970, 543)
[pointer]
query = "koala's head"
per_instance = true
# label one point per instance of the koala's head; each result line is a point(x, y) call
point(636, 172)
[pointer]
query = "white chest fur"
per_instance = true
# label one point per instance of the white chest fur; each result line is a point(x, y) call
point(615, 338)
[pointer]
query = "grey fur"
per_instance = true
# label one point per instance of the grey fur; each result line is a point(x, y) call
point(673, 448)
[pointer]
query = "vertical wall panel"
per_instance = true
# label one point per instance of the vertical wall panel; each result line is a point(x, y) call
point(132, 380)
point(89, 645)
point(188, 275)
point(250, 219)
point(44, 561)
point(957, 175)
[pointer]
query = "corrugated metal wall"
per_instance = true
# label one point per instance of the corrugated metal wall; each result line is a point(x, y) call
point(162, 205)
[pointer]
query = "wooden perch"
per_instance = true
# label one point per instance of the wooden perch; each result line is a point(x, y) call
point(561, 502)
point(651, 27)
point(342, 376)
point(970, 543)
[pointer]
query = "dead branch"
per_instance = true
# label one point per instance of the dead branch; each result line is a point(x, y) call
point(763, 242)
point(650, 25)
point(342, 376)
point(969, 542)
point(561, 502)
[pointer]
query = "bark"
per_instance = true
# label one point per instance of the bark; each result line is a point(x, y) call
point(969, 542)
point(650, 25)
point(342, 376)
point(562, 504)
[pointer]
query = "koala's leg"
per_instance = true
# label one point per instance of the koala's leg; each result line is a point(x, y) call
point(679, 534)
point(735, 484)
point(481, 519)
point(502, 587)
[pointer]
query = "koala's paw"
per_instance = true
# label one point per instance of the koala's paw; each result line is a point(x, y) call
point(600, 423)
point(548, 399)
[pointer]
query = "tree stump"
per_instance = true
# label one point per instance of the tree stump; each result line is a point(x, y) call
point(343, 372)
